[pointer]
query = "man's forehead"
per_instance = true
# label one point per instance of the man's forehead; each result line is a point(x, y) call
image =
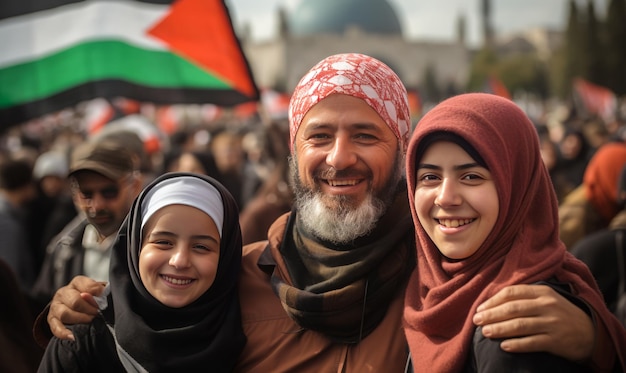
point(341, 110)
point(85, 177)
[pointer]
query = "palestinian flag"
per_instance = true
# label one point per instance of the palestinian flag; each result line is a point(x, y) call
point(57, 53)
point(496, 86)
point(595, 99)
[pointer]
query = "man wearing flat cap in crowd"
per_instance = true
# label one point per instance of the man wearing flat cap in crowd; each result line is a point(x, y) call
point(104, 182)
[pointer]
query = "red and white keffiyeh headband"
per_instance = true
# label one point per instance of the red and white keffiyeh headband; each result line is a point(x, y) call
point(359, 76)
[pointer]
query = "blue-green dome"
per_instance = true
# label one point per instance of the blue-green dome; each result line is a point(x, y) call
point(313, 17)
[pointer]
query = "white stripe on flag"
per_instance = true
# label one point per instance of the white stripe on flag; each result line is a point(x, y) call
point(32, 36)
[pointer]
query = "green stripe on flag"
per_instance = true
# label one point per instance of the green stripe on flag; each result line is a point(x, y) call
point(98, 60)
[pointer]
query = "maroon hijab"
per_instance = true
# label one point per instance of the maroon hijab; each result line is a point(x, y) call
point(522, 248)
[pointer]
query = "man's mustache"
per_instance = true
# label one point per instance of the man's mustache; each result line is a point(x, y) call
point(96, 214)
point(332, 173)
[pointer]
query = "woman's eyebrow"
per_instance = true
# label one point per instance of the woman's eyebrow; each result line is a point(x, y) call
point(458, 167)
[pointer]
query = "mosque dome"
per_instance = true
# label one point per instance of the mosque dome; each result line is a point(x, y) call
point(313, 17)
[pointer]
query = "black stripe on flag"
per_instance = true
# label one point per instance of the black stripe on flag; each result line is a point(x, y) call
point(110, 89)
point(14, 8)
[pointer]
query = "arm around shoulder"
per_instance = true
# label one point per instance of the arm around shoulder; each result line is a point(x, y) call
point(487, 356)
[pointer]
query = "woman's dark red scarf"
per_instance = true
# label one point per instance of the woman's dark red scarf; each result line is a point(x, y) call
point(523, 247)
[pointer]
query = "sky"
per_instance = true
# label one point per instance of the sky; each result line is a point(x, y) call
point(430, 19)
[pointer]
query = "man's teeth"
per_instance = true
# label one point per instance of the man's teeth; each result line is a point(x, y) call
point(342, 182)
point(176, 281)
point(454, 223)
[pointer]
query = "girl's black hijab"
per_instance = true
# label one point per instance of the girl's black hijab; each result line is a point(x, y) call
point(204, 335)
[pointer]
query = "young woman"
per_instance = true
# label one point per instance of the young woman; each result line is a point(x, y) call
point(173, 302)
point(485, 214)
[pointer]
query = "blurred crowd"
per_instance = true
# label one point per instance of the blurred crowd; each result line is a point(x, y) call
point(586, 158)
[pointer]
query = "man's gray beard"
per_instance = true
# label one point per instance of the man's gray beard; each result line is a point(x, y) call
point(344, 223)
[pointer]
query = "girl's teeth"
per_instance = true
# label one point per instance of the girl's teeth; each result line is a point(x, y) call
point(342, 182)
point(176, 281)
point(454, 223)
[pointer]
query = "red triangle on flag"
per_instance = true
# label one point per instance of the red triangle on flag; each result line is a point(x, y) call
point(595, 98)
point(201, 30)
point(415, 102)
point(497, 87)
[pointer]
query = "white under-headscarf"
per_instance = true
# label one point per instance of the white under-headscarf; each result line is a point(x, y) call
point(189, 191)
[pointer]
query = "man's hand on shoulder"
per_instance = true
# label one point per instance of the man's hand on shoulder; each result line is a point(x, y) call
point(73, 304)
point(532, 318)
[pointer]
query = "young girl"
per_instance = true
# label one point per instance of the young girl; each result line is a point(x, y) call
point(485, 214)
point(173, 304)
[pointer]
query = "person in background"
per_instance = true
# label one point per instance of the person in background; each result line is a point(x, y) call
point(197, 161)
point(53, 208)
point(104, 182)
point(18, 353)
point(551, 156)
point(173, 302)
point(274, 197)
point(575, 153)
point(597, 132)
point(592, 205)
point(325, 291)
point(225, 146)
point(17, 190)
point(604, 252)
point(486, 218)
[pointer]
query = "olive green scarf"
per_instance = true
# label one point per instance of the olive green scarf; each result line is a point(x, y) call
point(344, 292)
